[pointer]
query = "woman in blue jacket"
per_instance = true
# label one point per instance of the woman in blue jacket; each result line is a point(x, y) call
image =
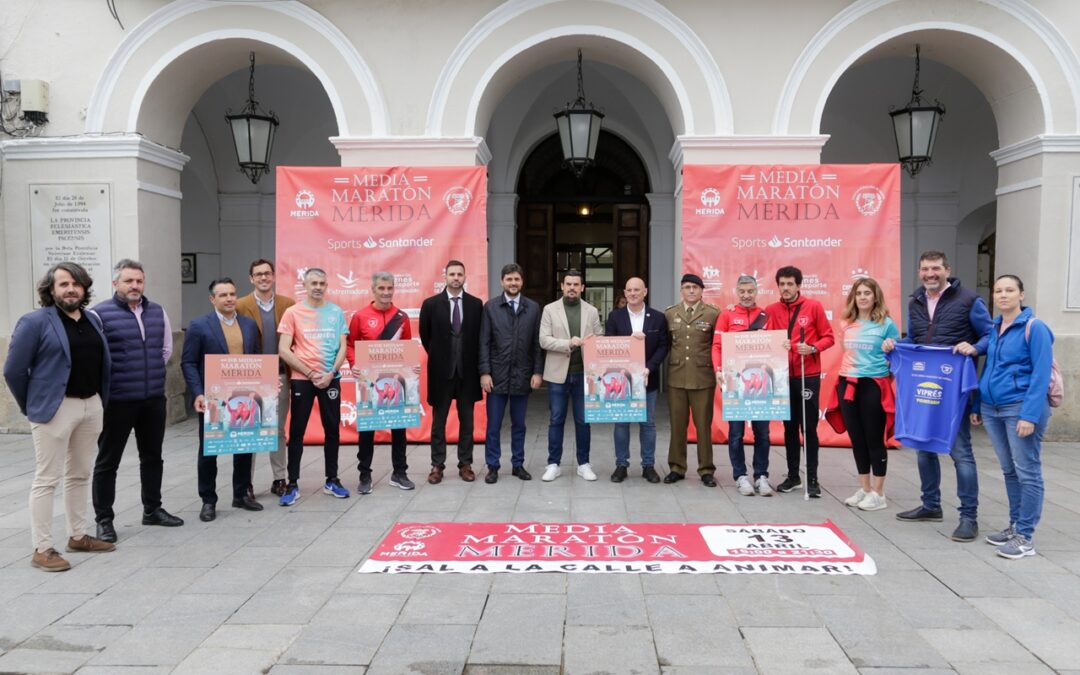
point(1014, 408)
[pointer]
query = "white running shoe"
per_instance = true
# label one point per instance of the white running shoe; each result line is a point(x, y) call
point(763, 487)
point(551, 473)
point(585, 471)
point(854, 499)
point(746, 488)
point(873, 502)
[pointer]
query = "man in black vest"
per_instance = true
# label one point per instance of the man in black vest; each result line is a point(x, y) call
point(450, 333)
point(942, 312)
point(140, 343)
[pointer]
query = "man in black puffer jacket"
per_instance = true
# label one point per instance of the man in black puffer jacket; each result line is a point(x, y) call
point(942, 312)
point(511, 366)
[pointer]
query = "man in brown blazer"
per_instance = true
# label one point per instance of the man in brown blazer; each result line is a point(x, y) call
point(266, 308)
point(564, 325)
point(691, 383)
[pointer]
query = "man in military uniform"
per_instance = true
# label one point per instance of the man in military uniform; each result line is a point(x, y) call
point(691, 383)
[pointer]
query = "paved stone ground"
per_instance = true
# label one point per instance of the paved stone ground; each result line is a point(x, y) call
point(277, 591)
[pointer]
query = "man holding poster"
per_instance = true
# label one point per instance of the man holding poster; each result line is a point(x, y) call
point(739, 384)
point(809, 333)
point(312, 343)
point(222, 331)
point(644, 323)
point(380, 320)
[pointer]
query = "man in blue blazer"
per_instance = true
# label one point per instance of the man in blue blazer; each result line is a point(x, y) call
point(641, 321)
point(58, 370)
point(222, 331)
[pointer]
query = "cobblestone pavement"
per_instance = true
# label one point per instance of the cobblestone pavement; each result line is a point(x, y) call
point(276, 591)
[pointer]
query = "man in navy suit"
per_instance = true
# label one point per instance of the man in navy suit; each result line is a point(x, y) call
point(222, 331)
point(643, 322)
point(58, 369)
point(450, 333)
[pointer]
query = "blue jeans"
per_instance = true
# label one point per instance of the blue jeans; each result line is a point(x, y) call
point(558, 395)
point(967, 475)
point(496, 407)
point(646, 435)
point(1019, 458)
point(737, 455)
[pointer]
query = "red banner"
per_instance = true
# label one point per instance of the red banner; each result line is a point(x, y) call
point(835, 222)
point(355, 221)
point(634, 548)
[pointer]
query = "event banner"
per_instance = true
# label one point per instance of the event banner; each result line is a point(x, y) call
point(388, 386)
point(241, 404)
point(755, 384)
point(355, 221)
point(835, 222)
point(614, 379)
point(634, 548)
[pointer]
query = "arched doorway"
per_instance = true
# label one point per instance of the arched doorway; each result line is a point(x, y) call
point(597, 224)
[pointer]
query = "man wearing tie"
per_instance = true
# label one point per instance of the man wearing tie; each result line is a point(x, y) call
point(640, 321)
point(450, 333)
point(222, 331)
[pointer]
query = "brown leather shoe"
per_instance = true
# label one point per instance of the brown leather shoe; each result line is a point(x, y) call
point(435, 477)
point(88, 544)
point(50, 561)
point(466, 473)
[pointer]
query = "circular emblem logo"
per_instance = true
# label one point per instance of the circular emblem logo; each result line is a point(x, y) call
point(332, 394)
point(946, 368)
point(305, 199)
point(807, 394)
point(804, 321)
point(419, 532)
point(372, 323)
point(868, 200)
point(457, 200)
point(710, 196)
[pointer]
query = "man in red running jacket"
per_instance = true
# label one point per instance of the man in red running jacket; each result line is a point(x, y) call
point(380, 320)
point(809, 333)
point(746, 315)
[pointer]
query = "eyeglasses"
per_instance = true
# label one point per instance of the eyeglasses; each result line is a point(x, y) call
point(263, 274)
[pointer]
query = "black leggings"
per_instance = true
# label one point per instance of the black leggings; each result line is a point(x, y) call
point(865, 421)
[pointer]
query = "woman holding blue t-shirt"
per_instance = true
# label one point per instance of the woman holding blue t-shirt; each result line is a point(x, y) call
point(1014, 408)
point(864, 391)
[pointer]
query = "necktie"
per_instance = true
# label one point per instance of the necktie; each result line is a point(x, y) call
point(455, 316)
point(513, 306)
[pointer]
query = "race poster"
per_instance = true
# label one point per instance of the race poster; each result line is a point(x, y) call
point(618, 548)
point(614, 379)
point(755, 376)
point(409, 221)
point(835, 222)
point(241, 393)
point(388, 384)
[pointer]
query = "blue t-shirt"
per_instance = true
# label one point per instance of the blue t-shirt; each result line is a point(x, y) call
point(932, 388)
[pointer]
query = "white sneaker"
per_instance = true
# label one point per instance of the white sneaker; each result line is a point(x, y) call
point(854, 499)
point(763, 487)
point(746, 489)
point(873, 502)
point(585, 471)
point(552, 472)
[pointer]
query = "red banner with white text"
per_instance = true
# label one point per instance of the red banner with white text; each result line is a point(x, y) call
point(355, 221)
point(835, 222)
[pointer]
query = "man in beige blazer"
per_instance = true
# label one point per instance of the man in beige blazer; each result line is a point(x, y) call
point(266, 308)
point(564, 324)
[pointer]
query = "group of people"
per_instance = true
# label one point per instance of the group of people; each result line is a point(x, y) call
point(87, 378)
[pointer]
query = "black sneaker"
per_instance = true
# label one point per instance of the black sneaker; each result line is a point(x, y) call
point(813, 488)
point(364, 488)
point(400, 480)
point(790, 483)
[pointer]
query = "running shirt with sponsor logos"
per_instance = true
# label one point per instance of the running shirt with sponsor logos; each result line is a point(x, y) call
point(932, 388)
point(316, 333)
point(862, 348)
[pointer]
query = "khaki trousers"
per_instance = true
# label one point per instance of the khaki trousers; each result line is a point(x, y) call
point(681, 402)
point(64, 447)
point(279, 459)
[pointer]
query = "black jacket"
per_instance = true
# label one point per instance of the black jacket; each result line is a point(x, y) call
point(656, 338)
point(435, 336)
point(510, 345)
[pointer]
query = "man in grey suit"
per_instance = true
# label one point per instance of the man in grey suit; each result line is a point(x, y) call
point(564, 325)
point(58, 369)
